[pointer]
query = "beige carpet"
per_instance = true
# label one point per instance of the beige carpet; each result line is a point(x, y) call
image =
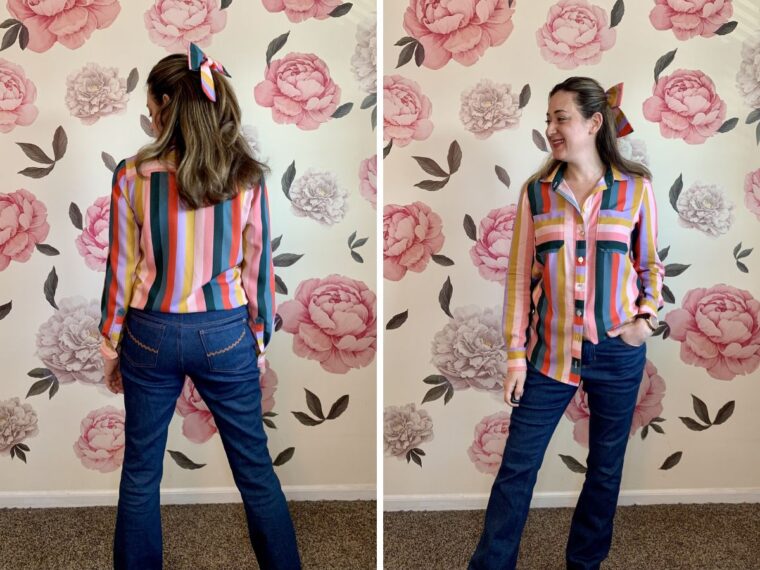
point(662, 537)
point(331, 535)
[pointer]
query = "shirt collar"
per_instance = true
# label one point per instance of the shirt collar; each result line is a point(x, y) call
point(556, 176)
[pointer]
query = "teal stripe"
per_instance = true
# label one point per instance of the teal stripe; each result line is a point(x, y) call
point(263, 289)
point(224, 249)
point(603, 289)
point(534, 196)
point(540, 349)
point(158, 185)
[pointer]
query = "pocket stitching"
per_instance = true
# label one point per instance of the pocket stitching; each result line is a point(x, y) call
point(227, 348)
point(140, 344)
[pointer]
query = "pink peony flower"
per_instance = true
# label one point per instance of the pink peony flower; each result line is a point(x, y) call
point(17, 96)
point(199, 425)
point(752, 192)
point(92, 243)
point(300, 10)
point(490, 254)
point(411, 235)
point(23, 224)
point(101, 444)
point(406, 111)
point(686, 106)
point(173, 24)
point(368, 179)
point(719, 330)
point(69, 22)
point(333, 321)
point(575, 33)
point(648, 405)
point(487, 448)
point(299, 90)
point(689, 18)
point(458, 29)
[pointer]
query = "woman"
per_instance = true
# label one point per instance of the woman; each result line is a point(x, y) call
point(189, 292)
point(582, 293)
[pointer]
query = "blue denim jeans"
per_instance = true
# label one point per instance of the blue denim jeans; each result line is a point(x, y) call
point(216, 349)
point(611, 374)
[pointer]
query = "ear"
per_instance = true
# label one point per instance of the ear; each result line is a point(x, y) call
point(165, 99)
point(596, 122)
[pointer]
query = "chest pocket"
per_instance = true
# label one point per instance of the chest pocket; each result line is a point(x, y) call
point(613, 234)
point(549, 234)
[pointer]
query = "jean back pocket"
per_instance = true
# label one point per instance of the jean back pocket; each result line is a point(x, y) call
point(141, 342)
point(229, 346)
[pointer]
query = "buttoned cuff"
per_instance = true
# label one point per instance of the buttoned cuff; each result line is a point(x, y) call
point(108, 351)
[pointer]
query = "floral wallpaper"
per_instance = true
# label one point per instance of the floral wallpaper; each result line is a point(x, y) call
point(72, 99)
point(465, 93)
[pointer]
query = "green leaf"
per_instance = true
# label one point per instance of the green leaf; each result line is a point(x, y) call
point(342, 111)
point(5, 309)
point(443, 260)
point(284, 456)
point(753, 116)
point(183, 461)
point(286, 259)
point(692, 424)
point(726, 28)
point(435, 392)
point(672, 461)
point(351, 239)
point(337, 409)
point(75, 215)
point(397, 320)
point(276, 243)
point(743, 268)
point(132, 79)
point(405, 40)
point(341, 10)
point(306, 419)
point(369, 101)
point(444, 296)
point(675, 192)
point(405, 56)
point(502, 175)
point(663, 253)
point(675, 269)
point(60, 143)
point(50, 286)
point(35, 153)
point(737, 249)
point(356, 257)
point(745, 253)
point(454, 157)
point(662, 63)
point(700, 408)
point(39, 373)
point(469, 228)
point(314, 404)
point(617, 13)
point(728, 125)
point(39, 387)
point(276, 45)
point(432, 185)
point(573, 464)
point(360, 242)
point(430, 166)
point(435, 379)
point(524, 96)
point(725, 412)
point(287, 179)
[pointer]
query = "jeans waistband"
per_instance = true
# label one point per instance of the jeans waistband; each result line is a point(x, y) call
point(190, 319)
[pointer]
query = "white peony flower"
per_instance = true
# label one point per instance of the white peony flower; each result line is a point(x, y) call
point(364, 60)
point(748, 76)
point(404, 428)
point(94, 92)
point(251, 136)
point(69, 341)
point(316, 195)
point(706, 208)
point(17, 422)
point(633, 149)
point(489, 107)
point(470, 350)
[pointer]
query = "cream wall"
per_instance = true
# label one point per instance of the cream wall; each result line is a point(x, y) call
point(715, 463)
point(336, 459)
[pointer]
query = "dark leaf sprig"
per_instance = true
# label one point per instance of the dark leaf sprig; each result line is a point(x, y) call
point(35, 153)
point(703, 415)
point(315, 407)
point(740, 253)
point(354, 243)
point(430, 166)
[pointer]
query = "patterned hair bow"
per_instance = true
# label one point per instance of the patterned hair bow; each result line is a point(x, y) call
point(199, 61)
point(614, 99)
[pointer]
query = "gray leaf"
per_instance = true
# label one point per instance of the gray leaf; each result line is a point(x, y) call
point(146, 126)
point(672, 461)
point(276, 45)
point(524, 96)
point(340, 406)
point(502, 175)
point(108, 160)
point(617, 13)
point(132, 79)
point(454, 157)
point(700, 408)
point(182, 460)
point(46, 249)
point(726, 28)
point(675, 269)
point(225, 4)
point(356, 257)
point(36, 172)
point(342, 111)
point(743, 268)
point(287, 179)
point(443, 260)
point(60, 143)
point(387, 148)
point(444, 296)
point(405, 40)
point(538, 140)
point(8, 23)
point(435, 392)
point(430, 166)
point(9, 38)
point(728, 125)
point(419, 54)
point(306, 419)
point(286, 259)
point(435, 379)
point(667, 295)
point(663, 253)
point(351, 239)
point(675, 192)
point(276, 243)
point(5, 309)
point(692, 424)
point(573, 464)
point(341, 10)
point(369, 101)
point(725, 412)
point(284, 456)
point(35, 153)
point(432, 185)
point(75, 215)
point(23, 37)
point(51, 284)
point(405, 56)
point(397, 320)
point(314, 404)
point(753, 116)
point(360, 242)
point(40, 386)
point(279, 286)
point(737, 249)
point(663, 62)
point(745, 253)
point(469, 228)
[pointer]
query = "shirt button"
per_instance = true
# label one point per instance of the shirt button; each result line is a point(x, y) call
point(579, 313)
point(580, 259)
point(581, 233)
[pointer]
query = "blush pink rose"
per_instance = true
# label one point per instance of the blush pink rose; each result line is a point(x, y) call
point(17, 96)
point(299, 90)
point(575, 33)
point(368, 179)
point(173, 24)
point(686, 106)
point(69, 22)
point(752, 192)
point(487, 448)
point(101, 442)
point(198, 425)
point(332, 321)
point(490, 254)
point(461, 30)
point(689, 18)
point(406, 111)
point(411, 235)
point(648, 405)
point(300, 10)
point(719, 330)
point(92, 243)
point(23, 224)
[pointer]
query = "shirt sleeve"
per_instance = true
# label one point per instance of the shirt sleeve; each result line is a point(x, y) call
point(123, 254)
point(258, 269)
point(646, 261)
point(516, 314)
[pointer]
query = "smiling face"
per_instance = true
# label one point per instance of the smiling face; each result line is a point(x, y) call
point(571, 136)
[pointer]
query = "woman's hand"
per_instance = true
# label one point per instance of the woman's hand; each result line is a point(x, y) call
point(513, 386)
point(633, 333)
point(113, 376)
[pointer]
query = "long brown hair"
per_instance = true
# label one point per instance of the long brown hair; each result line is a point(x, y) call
point(214, 162)
point(590, 98)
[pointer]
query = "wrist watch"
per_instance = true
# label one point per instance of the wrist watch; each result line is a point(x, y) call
point(650, 320)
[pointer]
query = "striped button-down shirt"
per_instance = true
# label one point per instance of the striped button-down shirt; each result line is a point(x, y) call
point(577, 272)
point(165, 257)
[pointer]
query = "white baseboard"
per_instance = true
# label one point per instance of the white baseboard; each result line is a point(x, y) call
point(464, 502)
point(49, 499)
